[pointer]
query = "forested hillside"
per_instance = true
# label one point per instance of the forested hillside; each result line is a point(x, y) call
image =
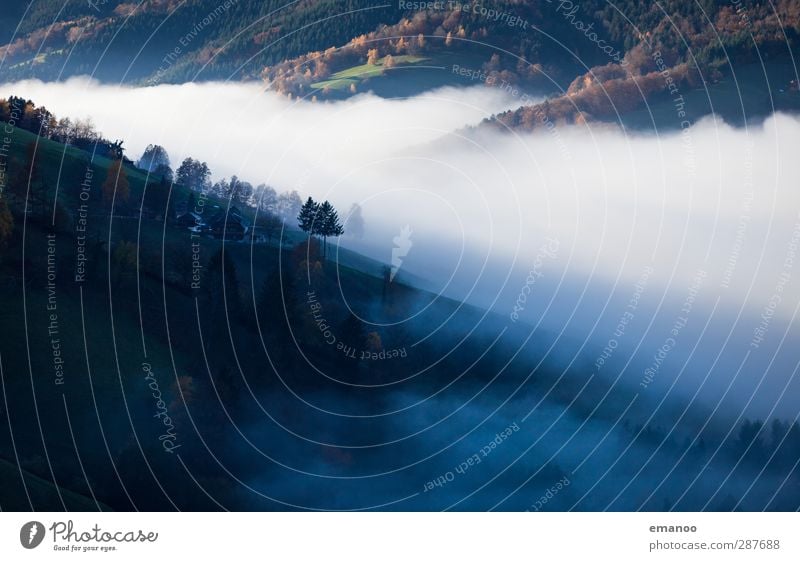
point(596, 59)
point(171, 40)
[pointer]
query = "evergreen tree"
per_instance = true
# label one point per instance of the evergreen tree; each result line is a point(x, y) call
point(307, 218)
point(329, 224)
point(323, 224)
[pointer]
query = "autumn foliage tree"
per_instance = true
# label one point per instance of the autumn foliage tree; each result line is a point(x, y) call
point(116, 186)
point(372, 56)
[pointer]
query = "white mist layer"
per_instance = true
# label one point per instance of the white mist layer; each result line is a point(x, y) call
point(587, 209)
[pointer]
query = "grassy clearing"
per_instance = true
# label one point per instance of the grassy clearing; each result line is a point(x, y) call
point(344, 78)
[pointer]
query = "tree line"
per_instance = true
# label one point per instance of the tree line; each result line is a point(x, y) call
point(192, 174)
point(195, 175)
point(80, 133)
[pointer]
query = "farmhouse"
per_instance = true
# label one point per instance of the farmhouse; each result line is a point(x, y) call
point(230, 226)
point(189, 220)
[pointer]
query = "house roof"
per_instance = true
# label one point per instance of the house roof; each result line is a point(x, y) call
point(192, 215)
point(232, 219)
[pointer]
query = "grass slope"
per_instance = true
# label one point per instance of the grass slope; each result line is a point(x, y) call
point(43, 494)
point(356, 74)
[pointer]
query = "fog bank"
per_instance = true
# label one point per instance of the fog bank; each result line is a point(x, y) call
point(557, 228)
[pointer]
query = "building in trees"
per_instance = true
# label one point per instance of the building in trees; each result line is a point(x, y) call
point(230, 226)
point(191, 221)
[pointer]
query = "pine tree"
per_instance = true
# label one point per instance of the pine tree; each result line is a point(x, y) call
point(329, 224)
point(307, 219)
point(323, 224)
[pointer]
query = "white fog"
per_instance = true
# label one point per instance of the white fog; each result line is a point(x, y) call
point(481, 206)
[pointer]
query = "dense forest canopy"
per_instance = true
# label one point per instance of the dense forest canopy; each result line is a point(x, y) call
point(238, 39)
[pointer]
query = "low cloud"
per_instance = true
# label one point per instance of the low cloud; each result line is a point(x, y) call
point(480, 205)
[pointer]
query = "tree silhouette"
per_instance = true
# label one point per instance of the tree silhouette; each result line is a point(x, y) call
point(193, 174)
point(320, 220)
point(355, 222)
point(307, 218)
point(266, 198)
point(329, 225)
point(157, 197)
point(288, 205)
point(155, 160)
